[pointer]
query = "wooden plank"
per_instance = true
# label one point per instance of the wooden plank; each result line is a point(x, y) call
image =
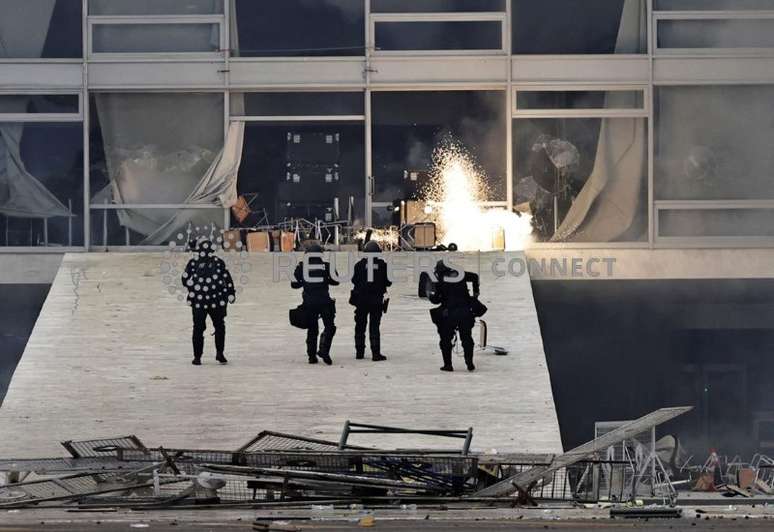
point(522, 481)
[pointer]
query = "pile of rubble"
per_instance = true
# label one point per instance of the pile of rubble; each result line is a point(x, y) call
point(277, 470)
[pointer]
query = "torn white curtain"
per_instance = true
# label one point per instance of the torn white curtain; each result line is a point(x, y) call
point(608, 203)
point(217, 187)
point(157, 148)
point(21, 194)
point(24, 26)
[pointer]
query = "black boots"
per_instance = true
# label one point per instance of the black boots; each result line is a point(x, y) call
point(313, 359)
point(469, 362)
point(447, 360)
point(376, 351)
point(326, 339)
point(197, 361)
point(221, 359)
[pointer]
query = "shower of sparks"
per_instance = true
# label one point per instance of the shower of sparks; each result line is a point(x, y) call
point(387, 239)
point(456, 191)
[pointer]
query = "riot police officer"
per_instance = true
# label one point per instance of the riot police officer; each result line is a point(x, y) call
point(369, 285)
point(317, 303)
point(455, 313)
point(210, 290)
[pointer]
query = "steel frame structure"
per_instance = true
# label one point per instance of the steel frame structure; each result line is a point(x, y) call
point(376, 70)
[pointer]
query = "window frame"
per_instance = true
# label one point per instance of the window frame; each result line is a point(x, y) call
point(43, 117)
point(160, 20)
point(483, 16)
point(659, 16)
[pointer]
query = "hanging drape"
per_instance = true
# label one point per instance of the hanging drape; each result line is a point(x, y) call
point(217, 187)
point(608, 203)
point(23, 33)
point(24, 27)
point(157, 148)
point(21, 194)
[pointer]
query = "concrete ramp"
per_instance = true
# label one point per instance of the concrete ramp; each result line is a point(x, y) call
point(110, 355)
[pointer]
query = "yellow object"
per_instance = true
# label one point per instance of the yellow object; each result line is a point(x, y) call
point(367, 521)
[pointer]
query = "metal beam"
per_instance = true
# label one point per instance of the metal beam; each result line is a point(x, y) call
point(524, 480)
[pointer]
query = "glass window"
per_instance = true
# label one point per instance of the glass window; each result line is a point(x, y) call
point(582, 179)
point(449, 35)
point(155, 38)
point(303, 170)
point(409, 126)
point(573, 27)
point(714, 143)
point(540, 99)
point(747, 33)
point(41, 184)
point(299, 28)
point(711, 5)
point(436, 6)
point(716, 223)
point(39, 103)
point(155, 7)
point(152, 149)
point(298, 104)
point(34, 29)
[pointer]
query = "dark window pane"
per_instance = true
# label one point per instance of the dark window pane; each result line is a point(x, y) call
point(716, 223)
point(716, 33)
point(301, 103)
point(579, 99)
point(711, 5)
point(40, 29)
point(481, 35)
point(302, 170)
point(436, 6)
point(293, 28)
point(39, 103)
point(573, 27)
point(41, 184)
point(408, 126)
point(714, 143)
point(155, 38)
point(155, 7)
point(563, 171)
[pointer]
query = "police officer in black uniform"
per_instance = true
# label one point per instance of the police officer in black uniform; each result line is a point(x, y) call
point(455, 312)
point(317, 303)
point(210, 290)
point(368, 299)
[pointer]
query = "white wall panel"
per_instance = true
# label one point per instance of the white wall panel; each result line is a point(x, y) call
point(736, 70)
point(41, 75)
point(288, 72)
point(171, 74)
point(438, 69)
point(581, 69)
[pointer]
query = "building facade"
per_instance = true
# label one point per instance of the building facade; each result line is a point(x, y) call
point(656, 112)
point(639, 130)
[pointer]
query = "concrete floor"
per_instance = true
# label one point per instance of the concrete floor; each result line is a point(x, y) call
point(110, 355)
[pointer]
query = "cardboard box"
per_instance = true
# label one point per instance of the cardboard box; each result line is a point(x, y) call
point(424, 235)
point(232, 240)
point(240, 210)
point(287, 242)
point(258, 242)
point(745, 478)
